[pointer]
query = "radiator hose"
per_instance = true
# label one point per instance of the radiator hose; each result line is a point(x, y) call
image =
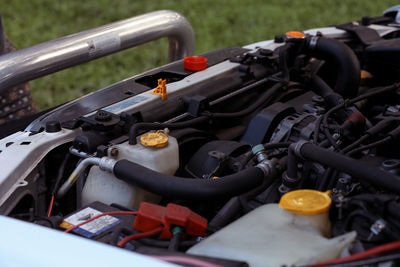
point(189, 188)
point(345, 61)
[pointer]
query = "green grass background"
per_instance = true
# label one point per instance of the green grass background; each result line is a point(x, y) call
point(217, 24)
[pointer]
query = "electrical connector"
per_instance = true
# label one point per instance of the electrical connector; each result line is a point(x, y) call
point(151, 216)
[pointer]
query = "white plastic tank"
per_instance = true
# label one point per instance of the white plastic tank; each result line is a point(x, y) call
point(295, 232)
point(157, 151)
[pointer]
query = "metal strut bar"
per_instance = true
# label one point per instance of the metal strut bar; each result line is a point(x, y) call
point(49, 57)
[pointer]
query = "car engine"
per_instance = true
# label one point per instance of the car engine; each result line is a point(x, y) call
point(283, 152)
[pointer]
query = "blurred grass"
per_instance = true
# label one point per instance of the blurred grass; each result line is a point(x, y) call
point(217, 24)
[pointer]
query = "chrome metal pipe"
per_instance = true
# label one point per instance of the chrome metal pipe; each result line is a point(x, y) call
point(42, 59)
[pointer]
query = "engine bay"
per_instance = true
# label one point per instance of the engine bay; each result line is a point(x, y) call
point(284, 152)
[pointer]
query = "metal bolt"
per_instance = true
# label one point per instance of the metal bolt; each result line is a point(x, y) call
point(336, 136)
point(376, 228)
point(114, 152)
point(283, 189)
point(103, 116)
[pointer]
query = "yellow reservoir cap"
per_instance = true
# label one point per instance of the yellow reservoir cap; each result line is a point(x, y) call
point(155, 140)
point(306, 202)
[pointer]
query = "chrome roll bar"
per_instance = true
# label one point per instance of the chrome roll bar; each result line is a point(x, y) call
point(49, 57)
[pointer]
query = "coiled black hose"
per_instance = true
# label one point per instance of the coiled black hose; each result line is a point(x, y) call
point(188, 188)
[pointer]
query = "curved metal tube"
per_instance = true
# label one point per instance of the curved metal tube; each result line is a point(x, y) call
point(42, 59)
point(105, 164)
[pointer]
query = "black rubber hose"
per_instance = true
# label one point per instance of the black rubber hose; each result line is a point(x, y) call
point(344, 59)
point(325, 91)
point(226, 214)
point(362, 171)
point(369, 146)
point(283, 54)
point(60, 174)
point(165, 243)
point(188, 188)
point(262, 100)
point(373, 92)
point(133, 131)
point(358, 213)
point(175, 242)
point(233, 207)
point(291, 169)
point(323, 183)
point(244, 199)
point(393, 208)
point(269, 146)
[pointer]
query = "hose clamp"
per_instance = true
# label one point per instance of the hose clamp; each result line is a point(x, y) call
point(296, 147)
point(313, 42)
point(266, 166)
point(107, 164)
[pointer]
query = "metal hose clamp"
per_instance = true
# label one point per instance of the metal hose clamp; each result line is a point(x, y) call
point(296, 147)
point(313, 42)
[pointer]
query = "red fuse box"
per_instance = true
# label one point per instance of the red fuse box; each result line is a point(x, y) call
point(151, 216)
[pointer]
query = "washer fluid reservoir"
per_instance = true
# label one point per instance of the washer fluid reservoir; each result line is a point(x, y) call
point(295, 232)
point(154, 150)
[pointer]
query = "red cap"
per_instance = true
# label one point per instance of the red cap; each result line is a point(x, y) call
point(357, 119)
point(195, 63)
point(151, 216)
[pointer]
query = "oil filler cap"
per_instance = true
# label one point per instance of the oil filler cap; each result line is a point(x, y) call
point(306, 202)
point(156, 140)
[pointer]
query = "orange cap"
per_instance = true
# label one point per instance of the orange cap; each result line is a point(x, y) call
point(195, 63)
point(295, 34)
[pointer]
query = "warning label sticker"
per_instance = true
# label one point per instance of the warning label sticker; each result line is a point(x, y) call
point(94, 227)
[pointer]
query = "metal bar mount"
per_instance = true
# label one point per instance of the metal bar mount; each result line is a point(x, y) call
point(49, 57)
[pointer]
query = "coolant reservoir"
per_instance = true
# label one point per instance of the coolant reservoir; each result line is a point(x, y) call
point(156, 151)
point(295, 232)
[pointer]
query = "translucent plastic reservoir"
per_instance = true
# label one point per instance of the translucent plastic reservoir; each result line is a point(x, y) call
point(104, 187)
point(272, 236)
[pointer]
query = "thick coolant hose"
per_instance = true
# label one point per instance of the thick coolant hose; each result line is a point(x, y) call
point(188, 188)
point(344, 59)
point(360, 170)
